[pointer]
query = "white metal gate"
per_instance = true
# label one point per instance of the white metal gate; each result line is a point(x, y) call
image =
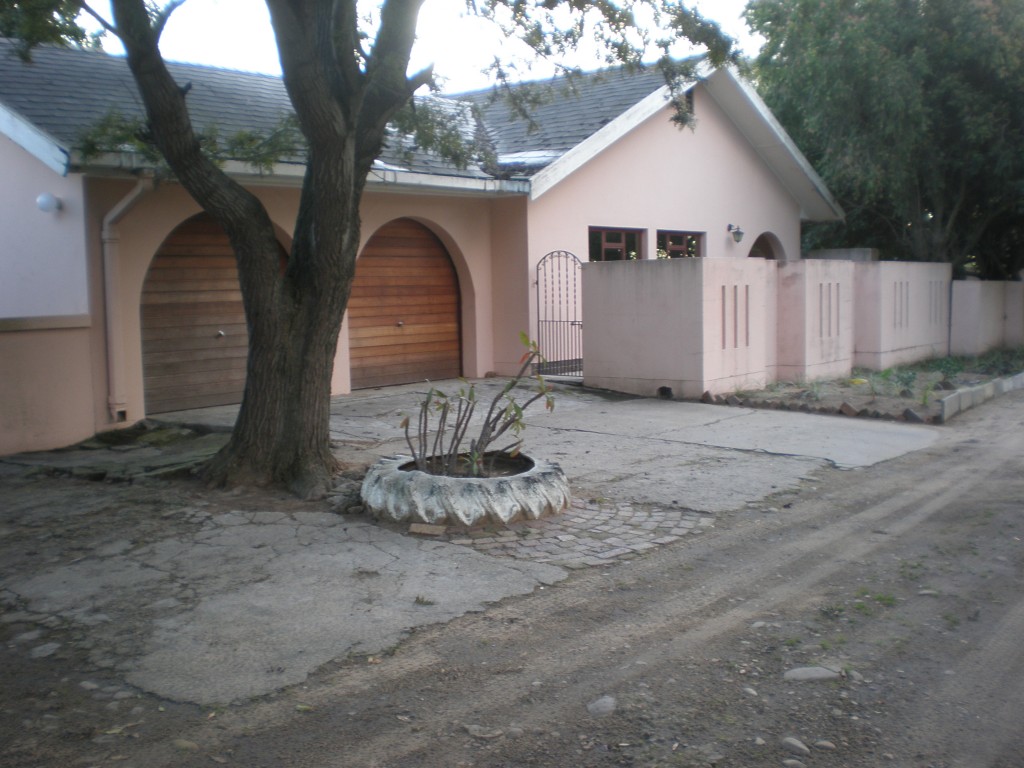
point(560, 314)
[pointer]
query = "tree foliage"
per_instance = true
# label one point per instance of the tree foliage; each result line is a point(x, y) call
point(43, 21)
point(913, 113)
point(346, 70)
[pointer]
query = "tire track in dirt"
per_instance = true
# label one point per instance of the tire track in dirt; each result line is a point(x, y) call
point(984, 695)
point(642, 634)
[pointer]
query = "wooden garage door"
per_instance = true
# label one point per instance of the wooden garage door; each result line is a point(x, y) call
point(194, 338)
point(404, 309)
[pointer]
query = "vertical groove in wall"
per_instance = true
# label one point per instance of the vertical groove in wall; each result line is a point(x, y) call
point(839, 304)
point(901, 304)
point(746, 315)
point(906, 304)
point(895, 305)
point(828, 296)
point(724, 324)
point(821, 310)
point(735, 316)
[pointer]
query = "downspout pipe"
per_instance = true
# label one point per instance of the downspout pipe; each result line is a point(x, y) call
point(116, 401)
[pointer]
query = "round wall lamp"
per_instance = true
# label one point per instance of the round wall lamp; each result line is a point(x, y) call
point(737, 233)
point(48, 203)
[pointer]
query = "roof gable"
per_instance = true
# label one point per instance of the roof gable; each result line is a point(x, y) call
point(738, 99)
point(606, 106)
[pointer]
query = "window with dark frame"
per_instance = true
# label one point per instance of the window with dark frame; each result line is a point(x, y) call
point(608, 244)
point(680, 245)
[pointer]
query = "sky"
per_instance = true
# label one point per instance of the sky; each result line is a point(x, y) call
point(236, 34)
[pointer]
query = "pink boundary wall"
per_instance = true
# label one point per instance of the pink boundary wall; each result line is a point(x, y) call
point(902, 312)
point(721, 325)
point(685, 324)
point(986, 315)
point(816, 339)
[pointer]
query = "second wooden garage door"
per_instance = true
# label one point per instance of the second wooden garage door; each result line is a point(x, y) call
point(404, 309)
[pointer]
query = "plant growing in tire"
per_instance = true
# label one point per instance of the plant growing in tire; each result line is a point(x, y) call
point(446, 452)
point(454, 475)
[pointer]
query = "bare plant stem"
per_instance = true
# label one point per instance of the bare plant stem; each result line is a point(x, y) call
point(503, 414)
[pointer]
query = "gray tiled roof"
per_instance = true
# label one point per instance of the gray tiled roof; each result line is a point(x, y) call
point(570, 112)
point(64, 92)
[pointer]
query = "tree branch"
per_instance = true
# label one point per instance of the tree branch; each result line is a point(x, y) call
point(313, 65)
point(99, 19)
point(388, 88)
point(240, 213)
point(160, 20)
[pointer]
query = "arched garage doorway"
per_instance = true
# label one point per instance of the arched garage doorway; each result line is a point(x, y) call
point(194, 335)
point(403, 312)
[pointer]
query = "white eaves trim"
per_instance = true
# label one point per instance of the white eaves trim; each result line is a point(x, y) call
point(529, 157)
point(598, 142)
point(285, 174)
point(409, 181)
point(37, 143)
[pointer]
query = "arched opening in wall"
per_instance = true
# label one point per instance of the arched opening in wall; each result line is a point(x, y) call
point(767, 246)
point(194, 336)
point(403, 312)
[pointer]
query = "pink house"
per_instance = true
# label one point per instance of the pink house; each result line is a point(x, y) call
point(119, 298)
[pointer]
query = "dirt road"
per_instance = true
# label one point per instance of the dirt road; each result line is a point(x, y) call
point(899, 585)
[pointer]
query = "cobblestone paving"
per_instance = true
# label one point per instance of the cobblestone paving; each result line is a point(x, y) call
point(588, 533)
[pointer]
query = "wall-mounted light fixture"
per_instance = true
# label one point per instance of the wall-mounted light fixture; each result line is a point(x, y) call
point(737, 233)
point(48, 203)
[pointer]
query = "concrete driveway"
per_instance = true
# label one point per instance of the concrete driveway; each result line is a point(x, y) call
point(210, 597)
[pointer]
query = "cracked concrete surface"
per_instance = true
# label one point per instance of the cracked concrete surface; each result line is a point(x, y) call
point(212, 597)
point(253, 600)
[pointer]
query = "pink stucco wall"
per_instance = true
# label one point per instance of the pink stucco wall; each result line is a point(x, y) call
point(658, 177)
point(462, 224)
point(512, 284)
point(739, 295)
point(902, 312)
point(686, 324)
point(815, 325)
point(1013, 326)
point(42, 258)
point(477, 232)
point(644, 326)
point(661, 177)
point(986, 315)
point(46, 389)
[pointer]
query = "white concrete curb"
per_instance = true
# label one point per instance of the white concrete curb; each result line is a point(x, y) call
point(965, 399)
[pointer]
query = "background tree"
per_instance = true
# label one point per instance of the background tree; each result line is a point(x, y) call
point(913, 113)
point(346, 70)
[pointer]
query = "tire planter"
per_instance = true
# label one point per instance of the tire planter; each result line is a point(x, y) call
point(393, 491)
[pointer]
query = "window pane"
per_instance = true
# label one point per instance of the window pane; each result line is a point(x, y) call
point(680, 245)
point(595, 245)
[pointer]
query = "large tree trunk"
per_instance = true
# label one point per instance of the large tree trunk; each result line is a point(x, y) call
point(282, 435)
